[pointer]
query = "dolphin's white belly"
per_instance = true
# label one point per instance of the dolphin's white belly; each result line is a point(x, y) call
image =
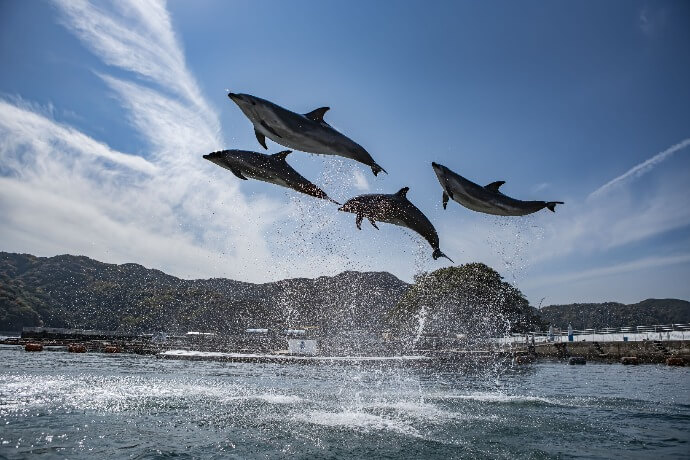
point(394, 221)
point(495, 207)
point(474, 204)
point(265, 174)
point(470, 197)
point(270, 178)
point(520, 209)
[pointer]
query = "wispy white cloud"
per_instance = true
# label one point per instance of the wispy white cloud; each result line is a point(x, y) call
point(62, 191)
point(360, 181)
point(137, 36)
point(614, 220)
point(641, 168)
point(540, 187)
point(644, 22)
point(24, 128)
point(609, 270)
point(177, 135)
point(651, 20)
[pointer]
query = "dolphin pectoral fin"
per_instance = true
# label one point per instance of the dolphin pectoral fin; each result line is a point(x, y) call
point(238, 174)
point(494, 186)
point(376, 169)
point(552, 205)
point(358, 221)
point(437, 253)
point(445, 200)
point(270, 130)
point(282, 155)
point(261, 138)
point(317, 114)
point(373, 223)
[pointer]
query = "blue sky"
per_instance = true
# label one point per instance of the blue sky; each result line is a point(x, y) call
point(106, 109)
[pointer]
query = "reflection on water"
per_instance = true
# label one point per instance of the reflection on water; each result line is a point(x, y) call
point(67, 405)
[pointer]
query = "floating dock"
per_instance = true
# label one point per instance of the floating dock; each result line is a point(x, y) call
point(286, 359)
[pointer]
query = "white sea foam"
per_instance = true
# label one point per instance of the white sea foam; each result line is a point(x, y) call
point(420, 410)
point(426, 412)
point(495, 397)
point(271, 398)
point(358, 420)
point(279, 399)
point(215, 355)
point(122, 393)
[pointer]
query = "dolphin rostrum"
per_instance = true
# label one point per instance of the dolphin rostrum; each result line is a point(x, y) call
point(308, 132)
point(487, 199)
point(395, 209)
point(268, 168)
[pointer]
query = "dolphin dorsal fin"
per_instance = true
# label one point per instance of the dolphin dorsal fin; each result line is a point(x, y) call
point(494, 186)
point(402, 193)
point(317, 114)
point(282, 155)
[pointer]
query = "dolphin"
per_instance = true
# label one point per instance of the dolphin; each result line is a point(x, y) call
point(308, 132)
point(268, 168)
point(395, 209)
point(487, 199)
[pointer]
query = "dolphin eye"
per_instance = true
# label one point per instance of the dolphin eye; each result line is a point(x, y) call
point(253, 103)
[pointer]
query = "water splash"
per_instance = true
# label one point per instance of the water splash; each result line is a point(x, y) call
point(511, 239)
point(421, 322)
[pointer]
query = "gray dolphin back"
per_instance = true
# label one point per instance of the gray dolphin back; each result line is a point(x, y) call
point(306, 132)
point(395, 209)
point(487, 199)
point(268, 168)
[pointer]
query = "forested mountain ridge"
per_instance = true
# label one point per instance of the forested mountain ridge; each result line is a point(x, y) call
point(79, 292)
point(614, 314)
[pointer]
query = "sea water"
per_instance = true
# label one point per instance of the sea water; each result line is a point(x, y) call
point(63, 405)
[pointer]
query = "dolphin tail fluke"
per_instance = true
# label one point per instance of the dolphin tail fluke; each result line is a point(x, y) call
point(437, 253)
point(376, 169)
point(552, 205)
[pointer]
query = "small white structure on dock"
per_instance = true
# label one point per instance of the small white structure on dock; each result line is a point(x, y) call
point(302, 347)
point(295, 332)
point(200, 334)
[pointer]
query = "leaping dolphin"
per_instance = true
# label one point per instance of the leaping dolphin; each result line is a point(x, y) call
point(487, 199)
point(308, 132)
point(395, 209)
point(268, 168)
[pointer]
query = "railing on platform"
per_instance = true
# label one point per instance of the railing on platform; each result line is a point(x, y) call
point(661, 332)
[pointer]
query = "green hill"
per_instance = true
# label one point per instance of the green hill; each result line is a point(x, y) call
point(470, 299)
point(78, 292)
point(613, 314)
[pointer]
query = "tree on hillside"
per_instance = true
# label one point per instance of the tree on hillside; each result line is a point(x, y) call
point(471, 299)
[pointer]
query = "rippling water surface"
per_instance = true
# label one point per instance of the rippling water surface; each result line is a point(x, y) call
point(122, 406)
